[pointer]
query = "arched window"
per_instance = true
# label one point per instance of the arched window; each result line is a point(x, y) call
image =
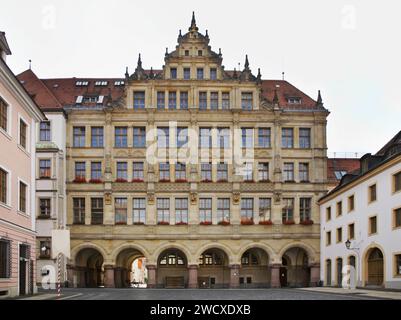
point(211, 258)
point(249, 258)
point(172, 259)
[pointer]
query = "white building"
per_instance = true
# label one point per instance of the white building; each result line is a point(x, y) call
point(50, 176)
point(366, 210)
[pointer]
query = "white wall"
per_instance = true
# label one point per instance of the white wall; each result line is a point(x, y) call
point(387, 238)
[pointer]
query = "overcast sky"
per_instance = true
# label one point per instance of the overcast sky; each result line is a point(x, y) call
point(351, 50)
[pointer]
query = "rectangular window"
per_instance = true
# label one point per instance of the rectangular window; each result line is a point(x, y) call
point(351, 203)
point(163, 210)
point(97, 211)
point(3, 115)
point(351, 231)
point(264, 136)
point(339, 208)
point(22, 133)
point(44, 208)
point(205, 210)
point(206, 172)
point(139, 137)
point(122, 169)
point(223, 138)
point(288, 172)
point(372, 225)
point(96, 171)
point(339, 235)
point(288, 210)
point(172, 100)
point(304, 138)
point(202, 100)
point(287, 140)
point(137, 172)
point(372, 193)
point(263, 171)
point(223, 210)
point(222, 172)
point(305, 209)
point(397, 182)
point(265, 206)
point(205, 137)
point(328, 214)
point(304, 172)
point(187, 73)
point(44, 131)
point(247, 101)
point(213, 74)
point(97, 140)
point(214, 100)
point(164, 171)
point(44, 168)
point(184, 100)
point(161, 102)
point(139, 100)
point(182, 137)
point(79, 210)
point(397, 259)
point(328, 238)
point(3, 186)
point(163, 137)
point(248, 174)
point(120, 207)
point(5, 258)
point(120, 137)
point(180, 172)
point(79, 137)
point(44, 249)
point(246, 209)
point(139, 211)
point(80, 171)
point(397, 218)
point(246, 138)
point(173, 73)
point(225, 100)
point(199, 73)
point(181, 210)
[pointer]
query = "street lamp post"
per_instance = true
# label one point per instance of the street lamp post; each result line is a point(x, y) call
point(357, 251)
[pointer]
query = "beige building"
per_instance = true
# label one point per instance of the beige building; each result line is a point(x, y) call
point(212, 175)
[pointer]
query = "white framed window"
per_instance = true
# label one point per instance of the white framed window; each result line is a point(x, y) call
point(5, 116)
point(5, 186)
point(23, 197)
point(23, 133)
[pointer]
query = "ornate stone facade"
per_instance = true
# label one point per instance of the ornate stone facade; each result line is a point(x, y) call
point(190, 236)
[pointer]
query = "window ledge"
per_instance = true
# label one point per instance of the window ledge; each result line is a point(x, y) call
point(5, 205)
point(24, 214)
point(6, 134)
point(24, 150)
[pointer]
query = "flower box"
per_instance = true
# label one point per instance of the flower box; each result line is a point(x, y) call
point(121, 223)
point(164, 180)
point(264, 181)
point(79, 180)
point(247, 222)
point(207, 181)
point(181, 224)
point(119, 180)
point(307, 222)
point(222, 180)
point(95, 181)
point(163, 223)
point(266, 223)
point(181, 180)
point(138, 223)
point(249, 181)
point(288, 222)
point(223, 223)
point(206, 223)
point(137, 180)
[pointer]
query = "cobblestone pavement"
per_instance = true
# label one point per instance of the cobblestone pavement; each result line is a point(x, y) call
point(192, 294)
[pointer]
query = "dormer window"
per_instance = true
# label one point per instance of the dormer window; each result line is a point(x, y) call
point(82, 83)
point(101, 83)
point(294, 100)
point(173, 73)
point(200, 53)
point(213, 74)
point(199, 73)
point(118, 83)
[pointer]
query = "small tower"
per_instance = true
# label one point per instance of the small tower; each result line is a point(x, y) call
point(193, 27)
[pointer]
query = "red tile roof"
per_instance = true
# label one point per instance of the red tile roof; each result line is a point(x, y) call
point(340, 164)
point(59, 93)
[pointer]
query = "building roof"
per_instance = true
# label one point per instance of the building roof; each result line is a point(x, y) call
point(338, 167)
point(3, 43)
point(57, 93)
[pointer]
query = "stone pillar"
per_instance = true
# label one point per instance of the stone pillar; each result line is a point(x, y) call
point(234, 276)
point(275, 275)
point(192, 276)
point(152, 282)
point(109, 276)
point(314, 275)
point(71, 276)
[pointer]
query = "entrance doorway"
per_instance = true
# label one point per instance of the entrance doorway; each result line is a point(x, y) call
point(375, 268)
point(23, 268)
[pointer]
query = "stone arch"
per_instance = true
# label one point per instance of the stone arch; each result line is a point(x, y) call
point(267, 249)
point(313, 256)
point(77, 249)
point(215, 245)
point(365, 259)
point(114, 254)
point(167, 246)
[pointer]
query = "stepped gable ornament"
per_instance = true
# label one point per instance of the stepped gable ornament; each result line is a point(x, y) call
point(139, 73)
point(319, 102)
point(246, 74)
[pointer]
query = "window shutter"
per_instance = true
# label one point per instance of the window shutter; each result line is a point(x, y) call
point(79, 99)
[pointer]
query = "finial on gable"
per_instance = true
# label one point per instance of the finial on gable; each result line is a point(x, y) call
point(319, 102)
point(193, 26)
